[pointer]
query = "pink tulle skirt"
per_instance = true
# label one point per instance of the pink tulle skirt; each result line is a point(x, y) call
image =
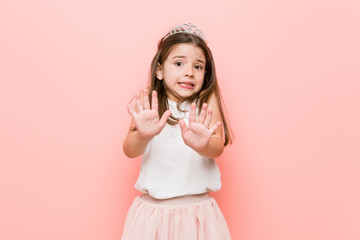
point(188, 218)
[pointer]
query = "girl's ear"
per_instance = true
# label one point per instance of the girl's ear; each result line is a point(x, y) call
point(159, 72)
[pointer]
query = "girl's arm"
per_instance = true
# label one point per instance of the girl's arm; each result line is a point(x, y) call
point(204, 135)
point(134, 145)
point(215, 145)
point(145, 124)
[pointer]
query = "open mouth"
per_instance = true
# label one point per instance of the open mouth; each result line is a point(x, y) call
point(186, 84)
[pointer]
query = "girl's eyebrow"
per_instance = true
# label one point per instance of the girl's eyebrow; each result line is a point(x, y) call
point(199, 60)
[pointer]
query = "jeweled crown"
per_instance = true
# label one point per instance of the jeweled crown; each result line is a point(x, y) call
point(188, 28)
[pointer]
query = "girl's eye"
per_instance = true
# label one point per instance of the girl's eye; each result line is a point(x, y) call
point(198, 67)
point(179, 64)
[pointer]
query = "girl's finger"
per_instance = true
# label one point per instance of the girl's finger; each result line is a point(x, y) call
point(154, 101)
point(131, 100)
point(131, 110)
point(215, 127)
point(192, 116)
point(202, 115)
point(165, 117)
point(146, 100)
point(183, 126)
point(139, 102)
point(208, 117)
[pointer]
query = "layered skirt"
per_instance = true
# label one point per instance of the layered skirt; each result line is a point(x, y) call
point(196, 217)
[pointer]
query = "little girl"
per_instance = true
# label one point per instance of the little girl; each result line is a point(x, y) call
point(178, 126)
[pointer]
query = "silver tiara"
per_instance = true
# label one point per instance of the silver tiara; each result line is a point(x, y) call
point(188, 28)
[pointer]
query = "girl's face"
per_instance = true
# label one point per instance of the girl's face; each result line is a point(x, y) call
point(182, 71)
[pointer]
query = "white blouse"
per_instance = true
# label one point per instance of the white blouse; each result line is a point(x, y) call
point(169, 168)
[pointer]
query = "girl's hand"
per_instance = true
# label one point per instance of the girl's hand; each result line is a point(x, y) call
point(198, 133)
point(147, 119)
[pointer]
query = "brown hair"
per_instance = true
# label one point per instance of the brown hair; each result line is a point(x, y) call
point(209, 87)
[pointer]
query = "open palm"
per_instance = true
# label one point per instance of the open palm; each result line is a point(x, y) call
point(198, 133)
point(146, 118)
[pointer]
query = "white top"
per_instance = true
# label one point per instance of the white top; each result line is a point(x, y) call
point(169, 168)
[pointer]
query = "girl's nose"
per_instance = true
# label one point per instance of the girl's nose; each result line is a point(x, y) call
point(189, 71)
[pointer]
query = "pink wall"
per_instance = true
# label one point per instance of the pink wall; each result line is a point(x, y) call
point(289, 73)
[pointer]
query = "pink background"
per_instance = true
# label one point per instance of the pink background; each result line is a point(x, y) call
point(289, 74)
